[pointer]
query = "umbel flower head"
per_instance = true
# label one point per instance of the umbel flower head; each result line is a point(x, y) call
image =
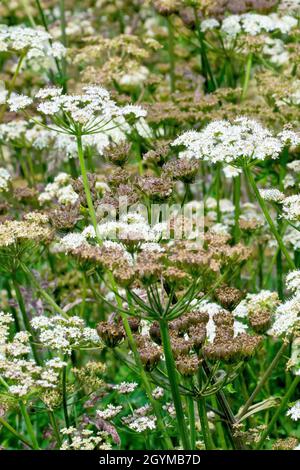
point(238, 142)
point(34, 43)
point(90, 112)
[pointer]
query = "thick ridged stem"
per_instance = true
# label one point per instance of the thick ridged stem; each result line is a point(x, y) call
point(171, 370)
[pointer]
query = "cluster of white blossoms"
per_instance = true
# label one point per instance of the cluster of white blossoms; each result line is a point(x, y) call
point(93, 110)
point(275, 51)
point(254, 302)
point(125, 387)
point(132, 227)
point(31, 43)
point(23, 376)
point(251, 24)
point(272, 195)
point(141, 419)
point(5, 178)
point(241, 141)
point(287, 314)
point(110, 412)
point(60, 189)
point(294, 411)
point(293, 280)
point(64, 334)
point(82, 438)
point(291, 207)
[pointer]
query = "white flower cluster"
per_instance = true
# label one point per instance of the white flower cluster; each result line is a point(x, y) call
point(143, 423)
point(84, 439)
point(274, 50)
point(5, 178)
point(110, 412)
point(131, 227)
point(60, 189)
point(254, 302)
point(291, 207)
point(293, 280)
point(287, 316)
point(93, 109)
point(24, 376)
point(294, 411)
point(125, 387)
point(64, 334)
point(292, 238)
point(222, 141)
point(251, 24)
point(272, 195)
point(32, 42)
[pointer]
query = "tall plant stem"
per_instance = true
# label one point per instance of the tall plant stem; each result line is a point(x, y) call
point(43, 293)
point(171, 54)
point(280, 408)
point(53, 422)
point(279, 273)
point(63, 21)
point(19, 436)
point(160, 424)
point(201, 402)
point(192, 421)
point(263, 206)
point(25, 317)
point(44, 23)
point(87, 187)
point(63, 30)
point(64, 392)
point(205, 65)
point(230, 418)
point(12, 85)
point(29, 426)
point(263, 380)
point(219, 426)
point(218, 187)
point(171, 370)
point(237, 210)
point(247, 76)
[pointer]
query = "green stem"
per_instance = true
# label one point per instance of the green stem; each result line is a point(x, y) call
point(43, 293)
point(171, 370)
point(237, 211)
point(263, 380)
point(12, 85)
point(218, 191)
point(171, 54)
point(64, 392)
point(263, 206)
point(201, 402)
point(55, 427)
point(29, 426)
point(63, 22)
point(279, 273)
point(205, 65)
point(19, 436)
point(247, 76)
point(280, 408)
point(44, 22)
point(191, 412)
point(25, 317)
point(87, 187)
point(219, 426)
point(160, 424)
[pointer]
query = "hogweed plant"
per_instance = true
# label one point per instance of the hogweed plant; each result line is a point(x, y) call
point(149, 225)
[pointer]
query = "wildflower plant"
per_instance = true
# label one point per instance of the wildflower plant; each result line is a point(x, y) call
point(149, 225)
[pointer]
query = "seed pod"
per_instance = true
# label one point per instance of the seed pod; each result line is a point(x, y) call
point(111, 333)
